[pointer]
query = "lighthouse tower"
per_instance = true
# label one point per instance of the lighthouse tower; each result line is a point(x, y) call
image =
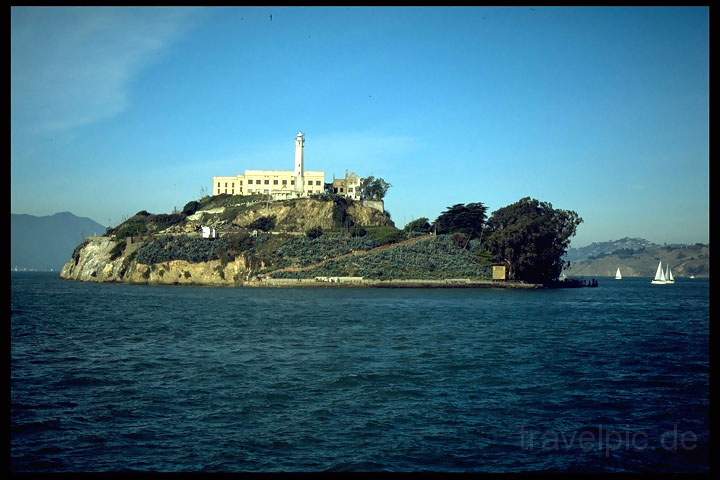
point(299, 163)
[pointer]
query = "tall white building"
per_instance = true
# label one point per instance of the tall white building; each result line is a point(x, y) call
point(280, 184)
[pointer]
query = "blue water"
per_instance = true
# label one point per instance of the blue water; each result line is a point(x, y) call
point(114, 377)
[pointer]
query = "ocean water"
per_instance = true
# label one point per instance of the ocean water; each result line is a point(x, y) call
point(165, 378)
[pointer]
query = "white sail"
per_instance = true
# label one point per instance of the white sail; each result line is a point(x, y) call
point(618, 276)
point(670, 277)
point(659, 276)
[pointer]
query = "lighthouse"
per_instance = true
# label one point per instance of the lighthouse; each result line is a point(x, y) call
point(299, 165)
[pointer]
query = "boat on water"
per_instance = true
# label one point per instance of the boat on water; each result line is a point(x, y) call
point(618, 276)
point(692, 276)
point(669, 276)
point(661, 277)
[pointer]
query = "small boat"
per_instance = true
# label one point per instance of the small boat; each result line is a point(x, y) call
point(659, 276)
point(562, 277)
point(618, 276)
point(669, 276)
point(692, 276)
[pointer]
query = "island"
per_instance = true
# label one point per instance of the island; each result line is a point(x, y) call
point(328, 240)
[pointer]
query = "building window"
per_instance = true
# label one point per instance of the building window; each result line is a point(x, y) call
point(275, 182)
point(309, 182)
point(350, 190)
point(226, 190)
point(267, 182)
point(292, 182)
point(218, 184)
point(265, 191)
point(317, 182)
point(232, 191)
point(240, 182)
point(225, 186)
point(341, 190)
point(284, 182)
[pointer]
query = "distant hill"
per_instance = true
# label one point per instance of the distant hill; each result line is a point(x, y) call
point(602, 248)
point(44, 243)
point(640, 261)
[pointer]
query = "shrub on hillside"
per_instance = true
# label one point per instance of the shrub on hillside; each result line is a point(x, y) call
point(306, 251)
point(438, 257)
point(191, 207)
point(419, 225)
point(357, 231)
point(165, 220)
point(191, 249)
point(265, 224)
point(132, 227)
point(385, 234)
point(314, 232)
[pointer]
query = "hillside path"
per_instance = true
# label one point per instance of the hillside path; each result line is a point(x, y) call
point(354, 253)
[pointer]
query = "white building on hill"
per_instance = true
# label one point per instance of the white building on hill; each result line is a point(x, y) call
point(282, 184)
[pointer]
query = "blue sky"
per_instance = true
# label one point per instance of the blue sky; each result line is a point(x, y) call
point(600, 110)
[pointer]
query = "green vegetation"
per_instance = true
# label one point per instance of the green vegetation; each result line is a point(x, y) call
point(385, 234)
point(162, 221)
point(303, 251)
point(419, 225)
point(531, 237)
point(314, 232)
point(191, 207)
point(265, 224)
point(436, 257)
point(468, 219)
point(372, 188)
point(132, 227)
point(191, 249)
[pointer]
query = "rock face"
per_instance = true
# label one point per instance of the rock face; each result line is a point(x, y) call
point(303, 214)
point(93, 263)
point(105, 259)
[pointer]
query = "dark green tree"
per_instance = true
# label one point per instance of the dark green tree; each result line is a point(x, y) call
point(263, 223)
point(419, 225)
point(372, 188)
point(530, 237)
point(462, 218)
point(191, 207)
point(314, 232)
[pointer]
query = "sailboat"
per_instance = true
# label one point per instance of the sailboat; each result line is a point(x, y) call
point(669, 276)
point(618, 276)
point(660, 278)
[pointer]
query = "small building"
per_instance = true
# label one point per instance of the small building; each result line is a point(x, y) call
point(499, 272)
point(348, 186)
point(208, 232)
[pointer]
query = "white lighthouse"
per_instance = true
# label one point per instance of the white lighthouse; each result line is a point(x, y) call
point(299, 163)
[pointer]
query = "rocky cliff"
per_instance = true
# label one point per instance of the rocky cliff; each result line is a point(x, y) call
point(94, 262)
point(167, 248)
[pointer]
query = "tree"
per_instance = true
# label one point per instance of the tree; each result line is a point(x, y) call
point(263, 223)
point(530, 237)
point(314, 232)
point(191, 207)
point(468, 219)
point(419, 225)
point(372, 188)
